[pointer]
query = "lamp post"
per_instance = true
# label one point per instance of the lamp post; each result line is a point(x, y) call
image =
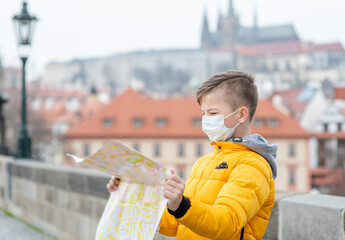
point(24, 25)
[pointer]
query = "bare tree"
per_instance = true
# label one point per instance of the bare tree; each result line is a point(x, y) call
point(39, 128)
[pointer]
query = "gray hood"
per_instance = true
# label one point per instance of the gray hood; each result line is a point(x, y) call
point(259, 145)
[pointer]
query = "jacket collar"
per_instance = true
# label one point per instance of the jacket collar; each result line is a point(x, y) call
point(218, 146)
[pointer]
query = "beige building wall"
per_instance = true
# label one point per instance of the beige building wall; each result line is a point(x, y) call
point(293, 164)
point(168, 152)
point(292, 156)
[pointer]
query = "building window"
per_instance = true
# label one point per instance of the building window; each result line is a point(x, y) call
point(157, 150)
point(78, 114)
point(272, 122)
point(258, 122)
point(198, 150)
point(288, 67)
point(138, 122)
point(196, 122)
point(264, 68)
point(86, 149)
point(180, 150)
point(136, 147)
point(292, 176)
point(292, 150)
point(108, 122)
point(325, 127)
point(275, 67)
point(339, 127)
point(161, 122)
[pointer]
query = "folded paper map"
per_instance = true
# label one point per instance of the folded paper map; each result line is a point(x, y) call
point(133, 211)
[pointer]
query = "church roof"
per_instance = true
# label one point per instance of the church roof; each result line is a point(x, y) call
point(268, 34)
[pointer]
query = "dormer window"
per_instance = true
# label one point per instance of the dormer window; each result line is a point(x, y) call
point(272, 122)
point(138, 122)
point(108, 122)
point(196, 122)
point(258, 122)
point(161, 122)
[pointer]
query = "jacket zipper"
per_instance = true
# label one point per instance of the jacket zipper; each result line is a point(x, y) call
point(218, 149)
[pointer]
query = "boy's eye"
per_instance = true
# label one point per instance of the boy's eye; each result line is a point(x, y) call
point(213, 113)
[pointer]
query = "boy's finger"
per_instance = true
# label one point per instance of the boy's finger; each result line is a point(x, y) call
point(170, 188)
point(109, 187)
point(175, 187)
point(169, 195)
point(115, 186)
point(174, 178)
point(172, 183)
point(172, 171)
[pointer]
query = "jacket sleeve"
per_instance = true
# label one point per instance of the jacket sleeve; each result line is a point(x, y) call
point(239, 199)
point(168, 225)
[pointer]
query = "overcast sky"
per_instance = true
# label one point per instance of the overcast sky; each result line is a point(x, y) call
point(90, 28)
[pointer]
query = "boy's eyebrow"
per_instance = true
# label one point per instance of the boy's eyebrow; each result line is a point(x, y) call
point(210, 109)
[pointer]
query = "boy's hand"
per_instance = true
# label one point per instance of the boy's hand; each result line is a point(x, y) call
point(113, 184)
point(173, 190)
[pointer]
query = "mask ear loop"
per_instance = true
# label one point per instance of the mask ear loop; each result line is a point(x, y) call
point(236, 125)
point(231, 114)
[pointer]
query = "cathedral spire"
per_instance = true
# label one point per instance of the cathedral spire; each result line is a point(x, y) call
point(255, 17)
point(219, 24)
point(231, 11)
point(205, 22)
point(205, 28)
point(205, 32)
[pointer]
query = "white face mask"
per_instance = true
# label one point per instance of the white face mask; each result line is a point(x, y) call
point(215, 128)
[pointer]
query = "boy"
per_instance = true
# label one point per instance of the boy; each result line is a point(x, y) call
point(230, 192)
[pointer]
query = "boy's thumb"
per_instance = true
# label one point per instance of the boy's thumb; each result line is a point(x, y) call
point(172, 171)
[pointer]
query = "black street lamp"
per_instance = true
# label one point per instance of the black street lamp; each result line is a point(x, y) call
point(3, 147)
point(24, 25)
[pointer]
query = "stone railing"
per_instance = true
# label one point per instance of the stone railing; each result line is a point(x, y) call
point(68, 202)
point(65, 202)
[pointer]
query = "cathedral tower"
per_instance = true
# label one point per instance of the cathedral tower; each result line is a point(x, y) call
point(229, 28)
point(206, 36)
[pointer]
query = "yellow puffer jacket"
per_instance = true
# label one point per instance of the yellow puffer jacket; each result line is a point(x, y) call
point(224, 200)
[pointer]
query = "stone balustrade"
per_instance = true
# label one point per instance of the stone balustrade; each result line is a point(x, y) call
point(68, 202)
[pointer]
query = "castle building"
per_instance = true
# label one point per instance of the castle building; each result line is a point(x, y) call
point(230, 33)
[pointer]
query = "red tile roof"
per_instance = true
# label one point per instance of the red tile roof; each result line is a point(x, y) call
point(287, 126)
point(58, 111)
point(51, 113)
point(289, 99)
point(288, 47)
point(337, 46)
point(179, 114)
point(130, 105)
point(339, 93)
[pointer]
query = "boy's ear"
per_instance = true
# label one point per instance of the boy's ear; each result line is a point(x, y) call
point(244, 114)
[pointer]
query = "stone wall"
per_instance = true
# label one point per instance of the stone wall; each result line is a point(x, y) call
point(67, 202)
